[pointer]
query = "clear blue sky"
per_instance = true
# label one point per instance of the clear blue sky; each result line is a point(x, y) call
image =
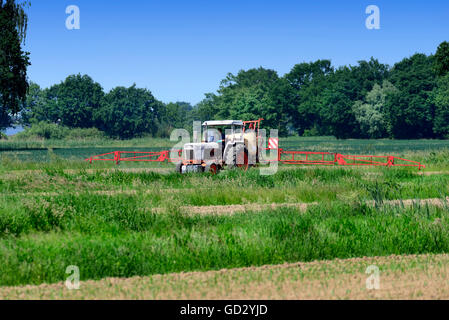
point(182, 49)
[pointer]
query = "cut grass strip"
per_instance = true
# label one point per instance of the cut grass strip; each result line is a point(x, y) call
point(400, 277)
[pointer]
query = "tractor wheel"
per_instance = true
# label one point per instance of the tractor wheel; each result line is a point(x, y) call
point(211, 168)
point(178, 168)
point(241, 156)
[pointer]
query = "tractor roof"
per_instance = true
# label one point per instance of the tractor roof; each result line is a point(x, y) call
point(223, 123)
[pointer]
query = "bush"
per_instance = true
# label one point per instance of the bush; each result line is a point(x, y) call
point(88, 134)
point(45, 130)
point(311, 132)
point(3, 136)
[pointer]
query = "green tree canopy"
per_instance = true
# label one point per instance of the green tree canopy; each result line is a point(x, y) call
point(442, 59)
point(370, 114)
point(73, 103)
point(130, 112)
point(206, 109)
point(347, 85)
point(78, 101)
point(34, 101)
point(13, 61)
point(249, 95)
point(440, 98)
point(176, 115)
point(242, 95)
point(308, 81)
point(409, 110)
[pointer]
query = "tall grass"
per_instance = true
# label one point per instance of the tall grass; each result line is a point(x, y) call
point(114, 237)
point(231, 187)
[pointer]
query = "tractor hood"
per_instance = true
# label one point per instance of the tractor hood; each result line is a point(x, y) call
point(195, 151)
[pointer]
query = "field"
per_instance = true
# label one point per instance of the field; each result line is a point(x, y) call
point(403, 277)
point(305, 232)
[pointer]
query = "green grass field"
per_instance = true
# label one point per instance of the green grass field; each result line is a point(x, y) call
point(134, 219)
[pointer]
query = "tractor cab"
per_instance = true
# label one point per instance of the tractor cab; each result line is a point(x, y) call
point(222, 131)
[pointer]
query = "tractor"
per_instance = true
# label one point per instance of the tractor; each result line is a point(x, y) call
point(224, 144)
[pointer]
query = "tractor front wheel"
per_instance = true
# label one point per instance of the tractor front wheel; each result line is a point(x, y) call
point(211, 168)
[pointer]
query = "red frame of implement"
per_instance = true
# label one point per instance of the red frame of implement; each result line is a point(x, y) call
point(328, 158)
point(137, 156)
point(283, 156)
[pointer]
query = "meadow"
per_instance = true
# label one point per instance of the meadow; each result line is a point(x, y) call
point(142, 219)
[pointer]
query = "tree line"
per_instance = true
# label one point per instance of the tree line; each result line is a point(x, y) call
point(368, 100)
point(80, 102)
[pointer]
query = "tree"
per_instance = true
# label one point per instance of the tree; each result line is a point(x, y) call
point(34, 101)
point(5, 119)
point(206, 109)
point(73, 103)
point(347, 85)
point(440, 98)
point(364, 76)
point(78, 100)
point(370, 114)
point(410, 110)
point(337, 113)
point(13, 61)
point(176, 115)
point(252, 85)
point(281, 106)
point(130, 112)
point(248, 104)
point(252, 94)
point(442, 59)
point(44, 106)
point(308, 82)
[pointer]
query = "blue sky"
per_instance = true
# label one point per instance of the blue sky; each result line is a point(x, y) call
point(182, 49)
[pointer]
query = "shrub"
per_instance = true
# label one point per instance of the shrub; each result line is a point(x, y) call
point(43, 130)
point(88, 134)
point(311, 132)
point(46, 130)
